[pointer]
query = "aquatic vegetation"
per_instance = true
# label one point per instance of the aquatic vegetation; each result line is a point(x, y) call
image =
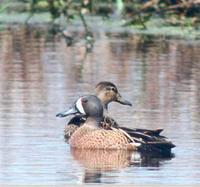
point(133, 11)
point(141, 16)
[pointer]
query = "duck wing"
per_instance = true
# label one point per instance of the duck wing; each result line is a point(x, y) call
point(151, 143)
point(150, 132)
point(110, 122)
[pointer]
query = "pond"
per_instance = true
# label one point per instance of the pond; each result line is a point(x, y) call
point(40, 76)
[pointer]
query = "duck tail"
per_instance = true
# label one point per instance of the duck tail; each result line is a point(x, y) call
point(160, 148)
point(150, 143)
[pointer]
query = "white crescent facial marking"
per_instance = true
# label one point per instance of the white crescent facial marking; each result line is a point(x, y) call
point(79, 106)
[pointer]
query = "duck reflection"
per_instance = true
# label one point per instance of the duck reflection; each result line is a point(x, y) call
point(97, 162)
point(104, 160)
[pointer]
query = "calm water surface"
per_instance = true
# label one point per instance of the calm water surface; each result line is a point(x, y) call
point(40, 76)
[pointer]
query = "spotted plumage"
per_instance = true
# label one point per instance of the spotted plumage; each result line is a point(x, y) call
point(107, 92)
point(88, 138)
point(92, 135)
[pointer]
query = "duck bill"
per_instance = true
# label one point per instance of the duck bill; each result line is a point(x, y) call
point(122, 101)
point(71, 111)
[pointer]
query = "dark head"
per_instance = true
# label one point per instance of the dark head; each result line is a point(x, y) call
point(108, 92)
point(89, 106)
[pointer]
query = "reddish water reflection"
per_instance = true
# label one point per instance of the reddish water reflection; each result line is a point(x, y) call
point(40, 75)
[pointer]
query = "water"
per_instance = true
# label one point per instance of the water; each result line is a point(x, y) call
point(40, 76)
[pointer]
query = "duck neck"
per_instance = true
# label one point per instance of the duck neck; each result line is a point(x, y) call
point(104, 101)
point(105, 108)
point(93, 121)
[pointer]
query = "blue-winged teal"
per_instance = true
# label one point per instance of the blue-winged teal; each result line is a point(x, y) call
point(92, 136)
point(107, 92)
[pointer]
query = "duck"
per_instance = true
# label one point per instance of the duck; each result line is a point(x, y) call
point(107, 92)
point(92, 136)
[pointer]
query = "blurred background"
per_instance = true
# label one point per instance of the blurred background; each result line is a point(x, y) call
point(52, 52)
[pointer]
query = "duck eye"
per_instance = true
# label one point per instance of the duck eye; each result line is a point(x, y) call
point(113, 89)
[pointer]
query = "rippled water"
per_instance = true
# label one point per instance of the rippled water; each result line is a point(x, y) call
point(40, 76)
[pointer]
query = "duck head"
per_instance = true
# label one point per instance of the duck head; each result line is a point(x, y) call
point(108, 92)
point(89, 106)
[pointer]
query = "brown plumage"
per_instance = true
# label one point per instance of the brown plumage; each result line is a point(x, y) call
point(91, 134)
point(97, 138)
point(107, 92)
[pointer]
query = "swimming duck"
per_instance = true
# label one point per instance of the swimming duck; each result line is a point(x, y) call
point(107, 92)
point(92, 136)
